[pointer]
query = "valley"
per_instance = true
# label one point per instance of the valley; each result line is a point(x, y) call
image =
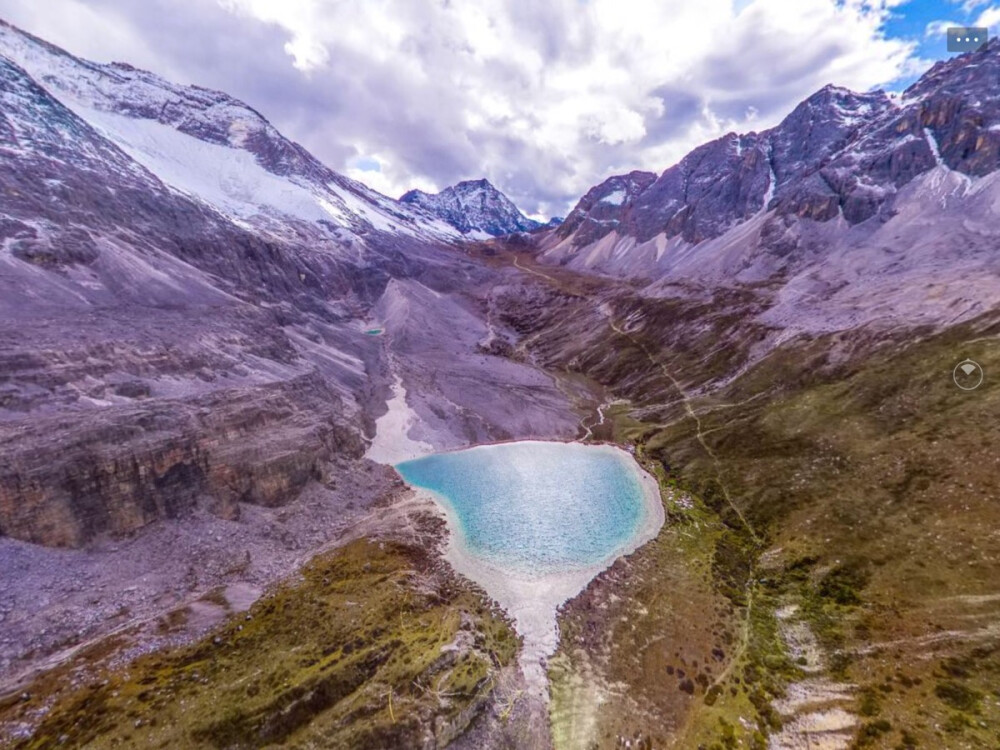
point(802, 527)
point(208, 372)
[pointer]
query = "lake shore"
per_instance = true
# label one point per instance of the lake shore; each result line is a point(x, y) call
point(533, 599)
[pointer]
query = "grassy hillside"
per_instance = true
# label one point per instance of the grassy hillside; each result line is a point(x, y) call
point(830, 571)
point(377, 644)
point(855, 496)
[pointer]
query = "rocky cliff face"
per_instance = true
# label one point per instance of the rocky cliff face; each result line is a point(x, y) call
point(121, 469)
point(475, 208)
point(838, 154)
point(855, 209)
point(171, 342)
point(605, 206)
point(729, 180)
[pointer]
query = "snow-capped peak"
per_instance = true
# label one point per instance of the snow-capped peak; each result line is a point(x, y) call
point(475, 208)
point(212, 147)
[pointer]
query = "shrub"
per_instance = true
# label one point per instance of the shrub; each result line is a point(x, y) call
point(844, 583)
point(958, 696)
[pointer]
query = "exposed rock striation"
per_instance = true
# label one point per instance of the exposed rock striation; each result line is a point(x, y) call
point(118, 469)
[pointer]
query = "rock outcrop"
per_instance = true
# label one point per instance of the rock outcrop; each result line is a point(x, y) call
point(839, 153)
point(118, 469)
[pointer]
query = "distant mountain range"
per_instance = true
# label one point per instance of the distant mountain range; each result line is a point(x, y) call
point(475, 208)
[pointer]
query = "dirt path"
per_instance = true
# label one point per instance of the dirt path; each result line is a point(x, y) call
point(545, 276)
point(700, 434)
point(692, 414)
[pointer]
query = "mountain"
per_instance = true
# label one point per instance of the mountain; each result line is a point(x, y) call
point(851, 198)
point(215, 150)
point(200, 327)
point(212, 347)
point(837, 153)
point(170, 259)
point(475, 208)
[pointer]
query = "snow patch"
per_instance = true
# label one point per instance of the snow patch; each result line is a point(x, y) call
point(772, 180)
point(227, 178)
point(392, 443)
point(933, 144)
point(615, 198)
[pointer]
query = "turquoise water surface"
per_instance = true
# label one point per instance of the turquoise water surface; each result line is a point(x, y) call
point(535, 506)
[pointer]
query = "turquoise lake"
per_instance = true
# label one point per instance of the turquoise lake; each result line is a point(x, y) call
point(536, 507)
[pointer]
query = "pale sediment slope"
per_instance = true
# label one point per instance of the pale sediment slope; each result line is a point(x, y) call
point(392, 442)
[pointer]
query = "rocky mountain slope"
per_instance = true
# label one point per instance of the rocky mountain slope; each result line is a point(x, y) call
point(210, 147)
point(100, 258)
point(852, 199)
point(200, 325)
point(165, 244)
point(475, 208)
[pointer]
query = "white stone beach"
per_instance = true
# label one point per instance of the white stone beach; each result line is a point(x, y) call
point(531, 600)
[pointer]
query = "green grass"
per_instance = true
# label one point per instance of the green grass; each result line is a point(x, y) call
point(871, 484)
point(870, 481)
point(376, 645)
point(876, 473)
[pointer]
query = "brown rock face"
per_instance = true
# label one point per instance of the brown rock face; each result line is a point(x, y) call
point(65, 481)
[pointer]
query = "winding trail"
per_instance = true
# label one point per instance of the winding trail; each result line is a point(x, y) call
point(818, 712)
point(518, 265)
point(692, 414)
point(820, 716)
point(700, 434)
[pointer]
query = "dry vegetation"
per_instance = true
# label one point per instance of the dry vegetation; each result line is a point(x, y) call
point(376, 644)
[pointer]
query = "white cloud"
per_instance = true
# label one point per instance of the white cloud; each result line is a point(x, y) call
point(970, 5)
point(386, 176)
point(545, 98)
point(989, 17)
point(574, 80)
point(938, 29)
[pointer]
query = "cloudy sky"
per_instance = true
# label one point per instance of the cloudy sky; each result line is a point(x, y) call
point(543, 97)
